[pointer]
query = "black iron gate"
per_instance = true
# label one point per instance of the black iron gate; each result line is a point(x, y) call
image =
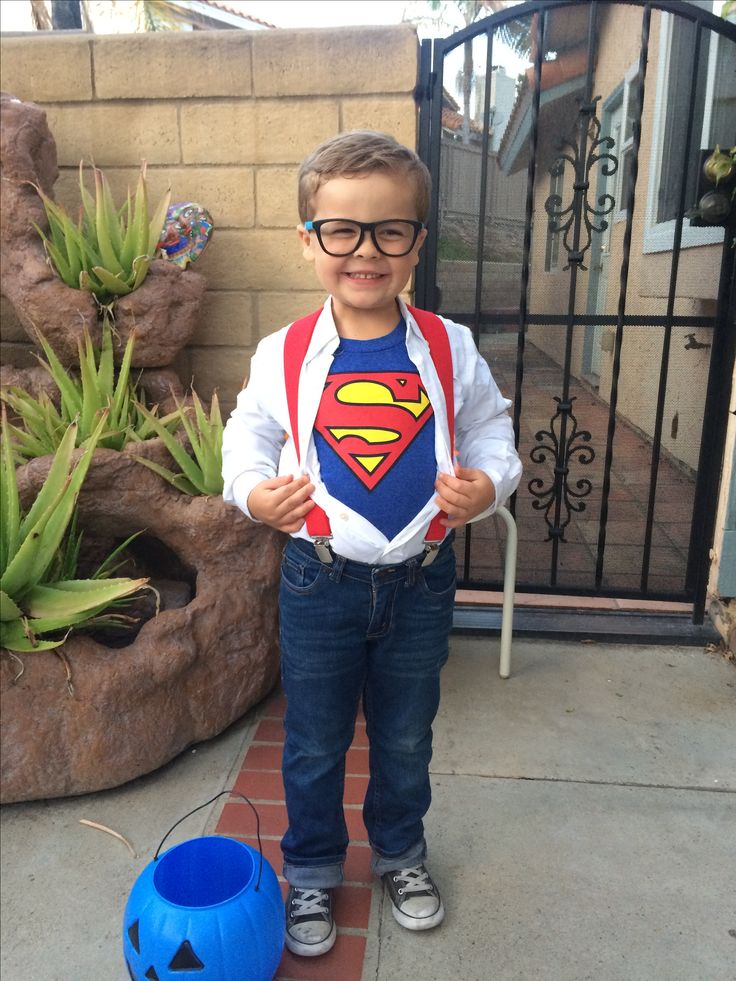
point(573, 228)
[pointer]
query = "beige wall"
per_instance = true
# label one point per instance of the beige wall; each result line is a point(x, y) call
point(225, 118)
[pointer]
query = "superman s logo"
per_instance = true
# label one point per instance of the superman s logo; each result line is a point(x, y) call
point(370, 420)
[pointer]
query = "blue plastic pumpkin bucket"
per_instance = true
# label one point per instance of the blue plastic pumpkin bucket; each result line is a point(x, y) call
point(209, 908)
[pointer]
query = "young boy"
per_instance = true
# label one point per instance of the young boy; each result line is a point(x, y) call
point(366, 606)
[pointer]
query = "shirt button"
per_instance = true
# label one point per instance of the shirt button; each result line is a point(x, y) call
point(343, 516)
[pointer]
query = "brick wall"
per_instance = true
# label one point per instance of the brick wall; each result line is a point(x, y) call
point(224, 117)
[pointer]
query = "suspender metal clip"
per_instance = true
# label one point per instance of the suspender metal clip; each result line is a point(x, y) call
point(430, 552)
point(323, 550)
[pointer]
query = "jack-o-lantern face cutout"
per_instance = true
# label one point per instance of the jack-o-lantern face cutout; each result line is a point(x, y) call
point(185, 959)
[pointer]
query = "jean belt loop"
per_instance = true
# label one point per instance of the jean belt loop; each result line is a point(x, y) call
point(411, 573)
point(338, 564)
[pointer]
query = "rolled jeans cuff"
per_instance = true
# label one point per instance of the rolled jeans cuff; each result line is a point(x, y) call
point(313, 877)
point(380, 864)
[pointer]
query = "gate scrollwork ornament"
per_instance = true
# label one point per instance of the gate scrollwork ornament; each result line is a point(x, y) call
point(564, 219)
point(562, 446)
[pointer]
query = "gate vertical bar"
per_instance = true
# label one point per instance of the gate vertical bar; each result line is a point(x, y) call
point(423, 98)
point(575, 259)
point(483, 188)
point(431, 301)
point(538, 33)
point(624, 276)
point(715, 422)
point(666, 341)
point(481, 239)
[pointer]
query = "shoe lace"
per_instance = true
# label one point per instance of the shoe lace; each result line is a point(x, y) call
point(310, 902)
point(413, 880)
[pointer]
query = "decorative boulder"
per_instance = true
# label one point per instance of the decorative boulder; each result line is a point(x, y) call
point(189, 672)
point(163, 313)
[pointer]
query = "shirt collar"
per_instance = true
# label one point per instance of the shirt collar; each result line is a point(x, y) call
point(325, 334)
point(326, 338)
point(411, 324)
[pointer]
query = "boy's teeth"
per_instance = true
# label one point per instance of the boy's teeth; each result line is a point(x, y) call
point(364, 275)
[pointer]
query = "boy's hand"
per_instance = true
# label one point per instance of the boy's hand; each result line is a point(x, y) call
point(282, 502)
point(463, 496)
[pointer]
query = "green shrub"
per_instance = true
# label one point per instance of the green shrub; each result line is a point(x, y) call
point(109, 250)
point(84, 400)
point(202, 473)
point(37, 608)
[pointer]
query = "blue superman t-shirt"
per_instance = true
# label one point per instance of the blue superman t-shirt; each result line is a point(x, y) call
point(374, 432)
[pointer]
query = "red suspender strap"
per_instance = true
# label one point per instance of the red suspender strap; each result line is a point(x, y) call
point(435, 334)
point(296, 346)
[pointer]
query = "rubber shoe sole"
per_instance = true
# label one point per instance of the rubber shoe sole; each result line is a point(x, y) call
point(312, 950)
point(418, 923)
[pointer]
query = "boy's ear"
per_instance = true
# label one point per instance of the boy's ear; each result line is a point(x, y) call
point(305, 238)
point(418, 245)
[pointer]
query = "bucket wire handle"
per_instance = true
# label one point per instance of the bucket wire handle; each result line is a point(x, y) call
point(231, 793)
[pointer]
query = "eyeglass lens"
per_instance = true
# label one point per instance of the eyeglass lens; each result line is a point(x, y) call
point(390, 237)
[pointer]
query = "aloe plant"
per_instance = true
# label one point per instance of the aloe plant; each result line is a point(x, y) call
point(202, 473)
point(109, 250)
point(33, 610)
point(96, 391)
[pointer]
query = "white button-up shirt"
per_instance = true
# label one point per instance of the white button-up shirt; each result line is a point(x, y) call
point(256, 444)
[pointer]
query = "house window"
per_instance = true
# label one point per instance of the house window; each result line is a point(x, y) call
point(715, 122)
point(626, 137)
point(618, 123)
point(552, 250)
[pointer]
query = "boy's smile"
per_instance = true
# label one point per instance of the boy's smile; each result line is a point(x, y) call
point(365, 284)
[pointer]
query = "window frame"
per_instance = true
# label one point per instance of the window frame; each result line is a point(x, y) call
point(552, 244)
point(660, 236)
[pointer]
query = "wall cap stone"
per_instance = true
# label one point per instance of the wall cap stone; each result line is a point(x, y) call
point(300, 61)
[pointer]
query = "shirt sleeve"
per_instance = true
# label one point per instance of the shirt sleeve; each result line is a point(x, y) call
point(253, 437)
point(484, 434)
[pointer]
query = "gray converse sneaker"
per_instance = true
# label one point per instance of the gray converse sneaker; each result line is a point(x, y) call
point(416, 901)
point(310, 927)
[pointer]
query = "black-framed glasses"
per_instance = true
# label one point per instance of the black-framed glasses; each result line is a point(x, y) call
point(343, 236)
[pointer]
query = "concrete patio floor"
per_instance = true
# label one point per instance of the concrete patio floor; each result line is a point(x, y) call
point(583, 827)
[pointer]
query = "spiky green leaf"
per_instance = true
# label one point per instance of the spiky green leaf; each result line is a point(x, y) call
point(15, 635)
point(112, 283)
point(8, 609)
point(177, 480)
point(10, 504)
point(56, 480)
point(65, 600)
point(103, 222)
point(71, 397)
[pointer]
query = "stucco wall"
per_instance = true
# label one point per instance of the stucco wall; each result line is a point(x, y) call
point(225, 118)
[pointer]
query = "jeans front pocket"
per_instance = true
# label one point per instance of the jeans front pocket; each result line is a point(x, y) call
point(299, 573)
point(438, 580)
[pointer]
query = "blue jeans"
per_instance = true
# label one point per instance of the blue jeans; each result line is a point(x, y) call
point(352, 631)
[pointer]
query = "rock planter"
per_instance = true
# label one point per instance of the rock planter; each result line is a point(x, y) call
point(163, 312)
point(189, 673)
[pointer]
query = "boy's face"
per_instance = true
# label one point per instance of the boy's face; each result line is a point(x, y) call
point(365, 281)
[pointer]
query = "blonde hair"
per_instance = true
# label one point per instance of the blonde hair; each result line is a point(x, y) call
point(361, 152)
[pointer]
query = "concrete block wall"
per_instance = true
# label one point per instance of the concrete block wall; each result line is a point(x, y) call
point(224, 118)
